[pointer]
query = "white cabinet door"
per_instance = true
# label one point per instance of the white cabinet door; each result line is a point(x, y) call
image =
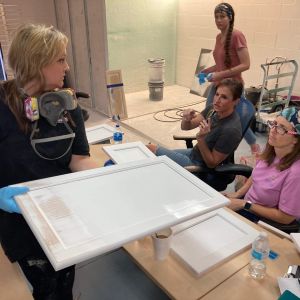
point(99, 133)
point(210, 239)
point(127, 152)
point(84, 214)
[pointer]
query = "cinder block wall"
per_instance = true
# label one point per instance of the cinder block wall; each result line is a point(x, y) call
point(272, 28)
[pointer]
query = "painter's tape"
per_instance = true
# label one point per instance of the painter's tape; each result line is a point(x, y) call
point(273, 255)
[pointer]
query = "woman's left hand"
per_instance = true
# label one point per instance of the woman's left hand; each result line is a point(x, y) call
point(236, 204)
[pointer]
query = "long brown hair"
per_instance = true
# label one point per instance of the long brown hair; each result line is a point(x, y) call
point(269, 155)
point(228, 9)
point(33, 47)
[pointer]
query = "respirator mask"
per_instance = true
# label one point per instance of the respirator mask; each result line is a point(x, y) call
point(52, 106)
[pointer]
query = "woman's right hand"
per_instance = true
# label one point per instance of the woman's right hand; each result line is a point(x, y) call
point(188, 115)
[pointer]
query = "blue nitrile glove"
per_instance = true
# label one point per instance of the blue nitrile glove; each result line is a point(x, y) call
point(7, 202)
point(109, 163)
point(202, 77)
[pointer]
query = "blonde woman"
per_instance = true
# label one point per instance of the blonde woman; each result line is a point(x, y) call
point(37, 56)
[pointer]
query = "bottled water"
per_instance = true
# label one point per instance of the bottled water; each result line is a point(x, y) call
point(118, 135)
point(259, 254)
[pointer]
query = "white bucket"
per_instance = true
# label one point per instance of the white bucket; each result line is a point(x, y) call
point(156, 90)
point(156, 69)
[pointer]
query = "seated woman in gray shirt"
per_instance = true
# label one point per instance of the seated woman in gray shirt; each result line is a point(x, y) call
point(219, 133)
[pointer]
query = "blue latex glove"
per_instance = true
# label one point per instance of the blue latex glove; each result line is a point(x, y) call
point(7, 202)
point(204, 77)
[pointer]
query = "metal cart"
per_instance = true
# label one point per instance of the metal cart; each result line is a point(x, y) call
point(271, 100)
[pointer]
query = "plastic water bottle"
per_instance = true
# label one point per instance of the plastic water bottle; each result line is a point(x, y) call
point(259, 254)
point(118, 135)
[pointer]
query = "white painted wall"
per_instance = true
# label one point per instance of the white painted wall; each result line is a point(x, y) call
point(272, 28)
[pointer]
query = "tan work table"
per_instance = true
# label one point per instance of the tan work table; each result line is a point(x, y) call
point(229, 280)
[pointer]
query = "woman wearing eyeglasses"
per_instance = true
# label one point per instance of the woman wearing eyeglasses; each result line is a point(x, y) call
point(273, 190)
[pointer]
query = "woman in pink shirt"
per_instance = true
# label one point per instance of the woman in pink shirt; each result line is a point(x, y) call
point(273, 190)
point(231, 57)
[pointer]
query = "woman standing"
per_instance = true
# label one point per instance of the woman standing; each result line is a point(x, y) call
point(231, 57)
point(37, 56)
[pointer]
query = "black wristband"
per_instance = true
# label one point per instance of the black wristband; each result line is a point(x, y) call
point(248, 205)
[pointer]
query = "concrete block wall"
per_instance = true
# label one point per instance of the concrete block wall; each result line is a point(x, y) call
point(272, 28)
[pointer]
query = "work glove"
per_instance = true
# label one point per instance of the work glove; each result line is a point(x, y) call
point(7, 201)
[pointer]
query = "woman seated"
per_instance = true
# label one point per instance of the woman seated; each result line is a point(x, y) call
point(273, 190)
point(219, 133)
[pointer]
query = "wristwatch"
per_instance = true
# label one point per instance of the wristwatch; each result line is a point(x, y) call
point(248, 205)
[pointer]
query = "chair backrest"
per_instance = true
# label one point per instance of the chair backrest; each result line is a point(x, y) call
point(246, 111)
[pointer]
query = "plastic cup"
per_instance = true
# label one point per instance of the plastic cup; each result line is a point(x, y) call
point(162, 243)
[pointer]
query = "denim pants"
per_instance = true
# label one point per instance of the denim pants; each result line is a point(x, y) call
point(183, 157)
point(249, 135)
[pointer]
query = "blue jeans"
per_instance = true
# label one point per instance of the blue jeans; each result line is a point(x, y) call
point(183, 157)
point(249, 135)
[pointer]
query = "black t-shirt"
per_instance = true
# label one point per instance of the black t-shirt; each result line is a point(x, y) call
point(224, 136)
point(19, 163)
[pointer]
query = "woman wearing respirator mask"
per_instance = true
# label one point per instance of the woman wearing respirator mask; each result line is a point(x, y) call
point(37, 56)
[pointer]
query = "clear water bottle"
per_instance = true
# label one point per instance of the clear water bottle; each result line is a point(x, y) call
point(118, 135)
point(259, 254)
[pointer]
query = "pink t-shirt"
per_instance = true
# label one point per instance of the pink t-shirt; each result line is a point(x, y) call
point(273, 188)
point(238, 41)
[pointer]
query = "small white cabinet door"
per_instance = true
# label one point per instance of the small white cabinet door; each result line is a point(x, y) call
point(127, 152)
point(99, 133)
point(84, 214)
point(210, 239)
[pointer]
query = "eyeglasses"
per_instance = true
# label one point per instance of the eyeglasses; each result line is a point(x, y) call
point(280, 129)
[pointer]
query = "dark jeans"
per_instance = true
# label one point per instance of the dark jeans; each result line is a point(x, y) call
point(47, 283)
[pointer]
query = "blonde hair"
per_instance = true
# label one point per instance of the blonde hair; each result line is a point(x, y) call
point(32, 48)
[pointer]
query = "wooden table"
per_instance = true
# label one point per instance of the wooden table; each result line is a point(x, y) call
point(229, 280)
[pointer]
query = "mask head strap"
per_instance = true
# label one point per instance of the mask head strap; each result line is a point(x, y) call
point(34, 142)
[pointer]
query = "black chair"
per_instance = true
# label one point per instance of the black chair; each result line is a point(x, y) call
point(85, 113)
point(79, 94)
point(224, 174)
